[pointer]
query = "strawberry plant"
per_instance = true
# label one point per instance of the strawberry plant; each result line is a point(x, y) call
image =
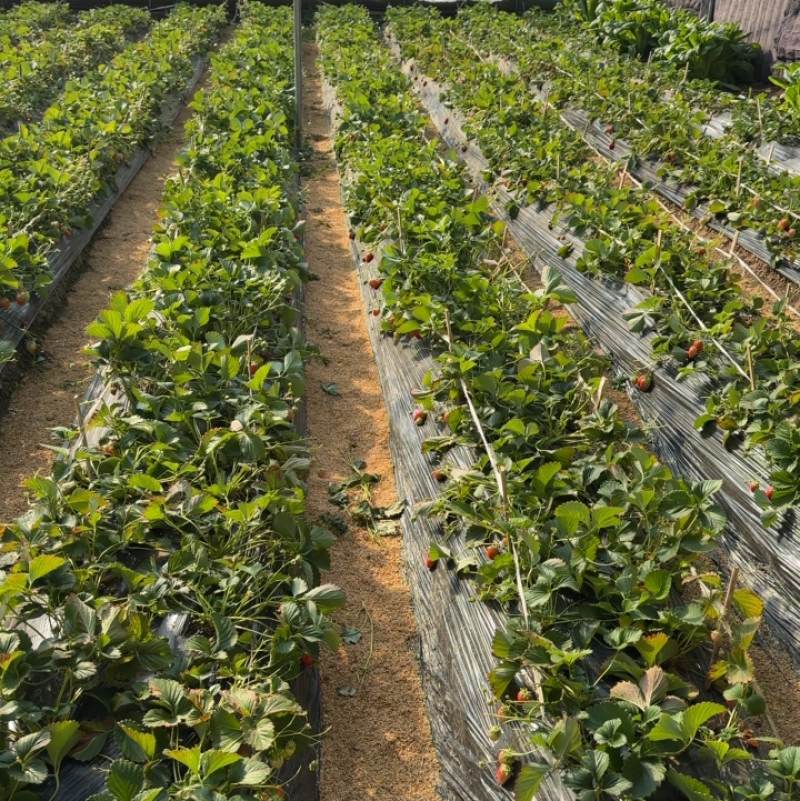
point(191, 505)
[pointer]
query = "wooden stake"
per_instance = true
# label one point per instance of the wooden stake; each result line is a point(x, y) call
point(400, 231)
point(249, 362)
point(739, 176)
point(622, 176)
point(750, 367)
point(769, 155)
point(449, 330)
point(81, 424)
point(725, 609)
point(760, 121)
point(734, 243)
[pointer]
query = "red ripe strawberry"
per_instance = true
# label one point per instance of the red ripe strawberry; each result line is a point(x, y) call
point(430, 563)
point(523, 696)
point(439, 475)
point(730, 702)
point(644, 382)
point(446, 120)
point(768, 492)
point(382, 227)
point(698, 345)
point(420, 416)
point(790, 233)
point(492, 552)
point(503, 773)
point(368, 257)
point(783, 224)
point(611, 144)
point(691, 353)
point(23, 298)
point(5, 303)
point(351, 235)
point(756, 202)
point(701, 251)
point(306, 660)
point(753, 486)
point(253, 368)
point(375, 283)
point(376, 312)
point(68, 234)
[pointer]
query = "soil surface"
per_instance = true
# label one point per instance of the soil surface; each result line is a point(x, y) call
point(38, 396)
point(379, 745)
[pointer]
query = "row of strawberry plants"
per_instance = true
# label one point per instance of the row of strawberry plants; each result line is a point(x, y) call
point(35, 71)
point(191, 505)
point(52, 171)
point(596, 532)
point(630, 236)
point(692, 64)
point(660, 116)
point(31, 19)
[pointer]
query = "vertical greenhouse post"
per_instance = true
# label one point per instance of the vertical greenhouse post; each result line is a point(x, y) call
point(298, 69)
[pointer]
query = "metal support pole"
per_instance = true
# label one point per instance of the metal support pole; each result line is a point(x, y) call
point(298, 68)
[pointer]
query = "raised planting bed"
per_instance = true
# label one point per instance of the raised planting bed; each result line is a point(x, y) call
point(60, 192)
point(551, 510)
point(606, 308)
point(168, 561)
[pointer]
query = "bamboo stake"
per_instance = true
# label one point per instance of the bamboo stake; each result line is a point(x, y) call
point(760, 120)
point(81, 424)
point(400, 231)
point(250, 362)
point(725, 609)
point(750, 367)
point(739, 176)
point(734, 242)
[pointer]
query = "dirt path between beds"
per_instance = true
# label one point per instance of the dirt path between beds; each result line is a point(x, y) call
point(379, 744)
